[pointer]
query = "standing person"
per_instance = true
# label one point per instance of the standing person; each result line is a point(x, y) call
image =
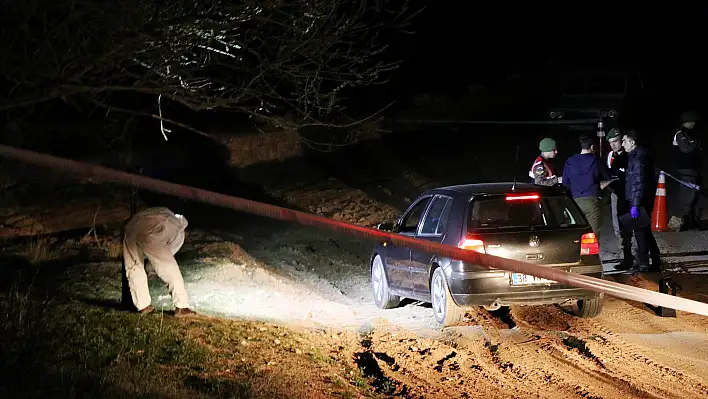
point(582, 175)
point(542, 172)
point(688, 158)
point(155, 233)
point(617, 167)
point(640, 189)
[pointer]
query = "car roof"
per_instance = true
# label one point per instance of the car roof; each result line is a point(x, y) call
point(470, 190)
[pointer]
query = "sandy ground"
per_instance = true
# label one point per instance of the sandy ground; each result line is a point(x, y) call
point(306, 278)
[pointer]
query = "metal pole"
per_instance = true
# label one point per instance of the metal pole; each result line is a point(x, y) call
point(600, 135)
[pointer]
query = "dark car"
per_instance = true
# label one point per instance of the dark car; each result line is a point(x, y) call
point(541, 225)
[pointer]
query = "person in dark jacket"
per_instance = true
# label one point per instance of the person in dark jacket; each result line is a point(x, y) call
point(581, 175)
point(640, 189)
point(616, 164)
point(688, 158)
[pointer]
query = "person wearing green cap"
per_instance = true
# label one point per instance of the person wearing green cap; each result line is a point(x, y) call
point(542, 172)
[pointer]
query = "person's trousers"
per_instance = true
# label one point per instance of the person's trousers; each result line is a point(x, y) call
point(592, 208)
point(620, 207)
point(646, 243)
point(162, 259)
point(615, 216)
point(688, 196)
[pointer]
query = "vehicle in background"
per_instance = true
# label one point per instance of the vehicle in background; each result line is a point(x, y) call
point(541, 225)
point(587, 99)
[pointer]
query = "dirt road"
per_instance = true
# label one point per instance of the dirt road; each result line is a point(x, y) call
point(528, 352)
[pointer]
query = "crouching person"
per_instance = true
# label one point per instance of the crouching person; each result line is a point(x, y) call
point(156, 234)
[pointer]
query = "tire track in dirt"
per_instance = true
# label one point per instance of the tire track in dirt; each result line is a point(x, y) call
point(548, 358)
point(645, 362)
point(605, 357)
point(438, 369)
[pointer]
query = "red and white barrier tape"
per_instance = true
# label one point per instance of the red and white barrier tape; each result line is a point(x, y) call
point(681, 182)
point(307, 219)
point(467, 122)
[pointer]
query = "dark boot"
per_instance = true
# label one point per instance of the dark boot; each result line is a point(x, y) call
point(656, 264)
point(642, 268)
point(626, 264)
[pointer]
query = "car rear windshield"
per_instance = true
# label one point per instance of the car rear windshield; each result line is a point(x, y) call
point(496, 212)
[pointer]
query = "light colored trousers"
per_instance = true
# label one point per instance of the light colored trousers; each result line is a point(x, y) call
point(615, 219)
point(156, 234)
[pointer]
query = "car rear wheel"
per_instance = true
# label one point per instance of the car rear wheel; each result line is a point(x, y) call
point(587, 307)
point(445, 310)
point(379, 285)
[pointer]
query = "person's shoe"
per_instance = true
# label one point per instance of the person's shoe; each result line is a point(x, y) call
point(624, 265)
point(146, 310)
point(656, 264)
point(184, 312)
point(642, 268)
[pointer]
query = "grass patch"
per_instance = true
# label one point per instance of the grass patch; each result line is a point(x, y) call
point(67, 349)
point(74, 350)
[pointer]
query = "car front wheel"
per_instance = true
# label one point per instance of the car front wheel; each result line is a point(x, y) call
point(379, 285)
point(445, 310)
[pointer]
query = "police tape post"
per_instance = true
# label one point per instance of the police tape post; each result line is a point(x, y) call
point(240, 204)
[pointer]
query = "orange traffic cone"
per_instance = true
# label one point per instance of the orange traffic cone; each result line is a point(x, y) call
point(659, 220)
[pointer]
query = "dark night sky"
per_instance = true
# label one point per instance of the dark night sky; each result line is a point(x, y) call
point(459, 42)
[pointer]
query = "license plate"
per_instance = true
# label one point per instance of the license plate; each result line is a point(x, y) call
point(525, 279)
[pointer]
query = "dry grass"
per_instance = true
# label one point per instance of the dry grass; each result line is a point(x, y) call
point(40, 250)
point(114, 249)
point(262, 147)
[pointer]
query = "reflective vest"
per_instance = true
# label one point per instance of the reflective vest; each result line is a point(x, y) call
point(549, 172)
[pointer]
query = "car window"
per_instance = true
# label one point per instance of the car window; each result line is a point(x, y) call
point(495, 212)
point(435, 215)
point(410, 223)
point(442, 226)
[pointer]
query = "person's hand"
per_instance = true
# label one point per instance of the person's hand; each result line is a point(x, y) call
point(634, 212)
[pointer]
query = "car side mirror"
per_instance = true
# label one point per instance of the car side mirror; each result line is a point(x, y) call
point(385, 226)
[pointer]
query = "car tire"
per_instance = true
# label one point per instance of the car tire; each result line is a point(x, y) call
point(379, 286)
point(587, 307)
point(446, 312)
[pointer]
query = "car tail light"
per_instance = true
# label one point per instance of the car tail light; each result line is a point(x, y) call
point(522, 197)
point(589, 244)
point(472, 243)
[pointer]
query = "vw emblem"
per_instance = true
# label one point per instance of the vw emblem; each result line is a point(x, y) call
point(534, 241)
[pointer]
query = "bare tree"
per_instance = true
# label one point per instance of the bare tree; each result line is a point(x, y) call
point(286, 61)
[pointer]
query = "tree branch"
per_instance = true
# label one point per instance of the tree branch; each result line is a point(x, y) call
point(149, 115)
